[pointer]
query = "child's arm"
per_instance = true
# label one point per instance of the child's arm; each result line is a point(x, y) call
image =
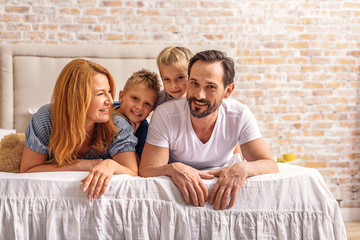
point(141, 135)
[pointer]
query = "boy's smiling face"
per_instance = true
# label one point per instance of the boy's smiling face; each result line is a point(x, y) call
point(174, 79)
point(137, 102)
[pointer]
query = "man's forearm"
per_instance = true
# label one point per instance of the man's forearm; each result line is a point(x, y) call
point(155, 171)
point(263, 166)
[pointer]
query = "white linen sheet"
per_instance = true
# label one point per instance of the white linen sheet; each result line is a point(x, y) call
point(292, 204)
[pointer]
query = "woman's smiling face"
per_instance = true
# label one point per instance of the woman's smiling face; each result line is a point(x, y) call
point(101, 101)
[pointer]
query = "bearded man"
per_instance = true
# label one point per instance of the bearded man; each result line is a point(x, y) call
point(201, 131)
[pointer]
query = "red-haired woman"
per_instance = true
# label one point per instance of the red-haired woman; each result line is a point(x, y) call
point(78, 131)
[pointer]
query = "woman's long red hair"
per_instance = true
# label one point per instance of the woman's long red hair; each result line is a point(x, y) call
point(70, 102)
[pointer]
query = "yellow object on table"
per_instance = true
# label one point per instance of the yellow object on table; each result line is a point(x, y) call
point(288, 157)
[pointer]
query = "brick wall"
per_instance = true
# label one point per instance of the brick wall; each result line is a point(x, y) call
point(297, 62)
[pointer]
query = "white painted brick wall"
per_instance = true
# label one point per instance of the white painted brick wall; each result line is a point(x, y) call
point(297, 62)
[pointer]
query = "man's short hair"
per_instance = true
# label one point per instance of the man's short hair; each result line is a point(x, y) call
point(212, 56)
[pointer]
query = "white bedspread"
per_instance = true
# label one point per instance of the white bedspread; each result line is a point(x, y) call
point(292, 204)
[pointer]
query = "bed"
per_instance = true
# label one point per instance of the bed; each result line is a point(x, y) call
point(292, 204)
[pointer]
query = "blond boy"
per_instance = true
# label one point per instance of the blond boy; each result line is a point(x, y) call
point(173, 66)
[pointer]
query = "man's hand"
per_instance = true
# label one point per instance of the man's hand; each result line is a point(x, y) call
point(188, 180)
point(230, 181)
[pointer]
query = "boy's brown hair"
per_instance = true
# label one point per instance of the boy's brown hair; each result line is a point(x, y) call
point(144, 76)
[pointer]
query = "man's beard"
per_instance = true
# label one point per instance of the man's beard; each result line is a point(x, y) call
point(197, 112)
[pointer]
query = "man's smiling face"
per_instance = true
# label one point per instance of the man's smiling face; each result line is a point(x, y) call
point(205, 89)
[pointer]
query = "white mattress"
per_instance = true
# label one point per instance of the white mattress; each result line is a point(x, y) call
point(292, 204)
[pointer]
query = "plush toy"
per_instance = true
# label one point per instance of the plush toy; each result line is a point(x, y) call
point(11, 149)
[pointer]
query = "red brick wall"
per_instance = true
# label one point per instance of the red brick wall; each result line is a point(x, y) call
point(297, 62)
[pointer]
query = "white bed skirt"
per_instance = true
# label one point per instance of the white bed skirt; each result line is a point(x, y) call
point(292, 204)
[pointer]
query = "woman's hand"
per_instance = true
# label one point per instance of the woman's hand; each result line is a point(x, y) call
point(100, 175)
point(87, 164)
point(99, 178)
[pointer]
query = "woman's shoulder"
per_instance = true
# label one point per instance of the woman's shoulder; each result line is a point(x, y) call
point(45, 108)
point(43, 113)
point(39, 130)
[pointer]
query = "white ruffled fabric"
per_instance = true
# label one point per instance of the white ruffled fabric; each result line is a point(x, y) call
point(292, 204)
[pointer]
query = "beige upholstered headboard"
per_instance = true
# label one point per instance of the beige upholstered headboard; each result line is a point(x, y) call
point(28, 72)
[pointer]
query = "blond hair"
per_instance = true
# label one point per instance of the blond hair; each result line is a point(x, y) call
point(70, 102)
point(174, 55)
point(146, 77)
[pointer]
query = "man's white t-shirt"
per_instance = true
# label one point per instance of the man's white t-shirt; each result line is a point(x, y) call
point(171, 127)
